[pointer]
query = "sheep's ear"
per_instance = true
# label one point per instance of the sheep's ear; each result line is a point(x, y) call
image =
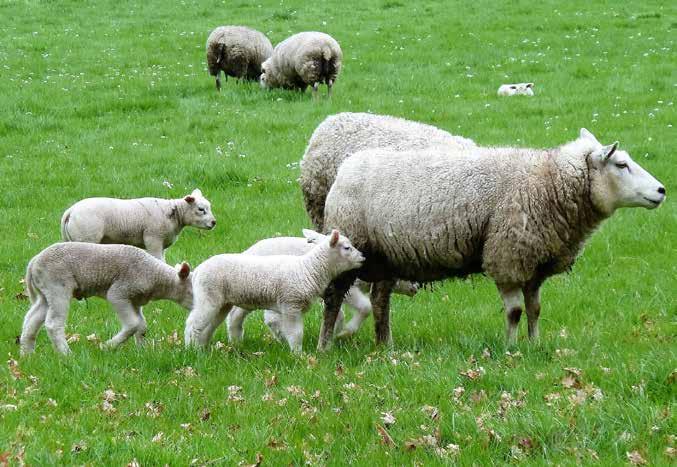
point(312, 236)
point(587, 135)
point(334, 238)
point(530, 85)
point(189, 199)
point(608, 151)
point(183, 269)
point(196, 193)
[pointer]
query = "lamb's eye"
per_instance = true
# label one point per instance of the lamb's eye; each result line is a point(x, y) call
point(622, 165)
point(202, 210)
point(346, 248)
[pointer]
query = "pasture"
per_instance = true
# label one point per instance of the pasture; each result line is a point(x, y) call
point(113, 99)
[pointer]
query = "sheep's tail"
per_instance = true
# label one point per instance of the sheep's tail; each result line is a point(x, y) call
point(65, 236)
point(33, 294)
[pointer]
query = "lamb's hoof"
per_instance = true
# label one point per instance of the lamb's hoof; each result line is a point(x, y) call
point(345, 334)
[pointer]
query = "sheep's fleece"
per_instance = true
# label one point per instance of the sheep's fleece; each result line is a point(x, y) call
point(520, 215)
point(339, 136)
point(238, 51)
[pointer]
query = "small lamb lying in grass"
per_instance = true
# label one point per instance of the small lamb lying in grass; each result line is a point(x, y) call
point(297, 246)
point(519, 89)
point(126, 276)
point(150, 223)
point(285, 284)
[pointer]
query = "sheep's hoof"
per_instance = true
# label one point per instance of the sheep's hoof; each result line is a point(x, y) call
point(345, 334)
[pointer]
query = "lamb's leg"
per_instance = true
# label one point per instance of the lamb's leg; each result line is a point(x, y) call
point(218, 80)
point(330, 84)
point(315, 88)
point(380, 301)
point(235, 323)
point(32, 322)
point(141, 328)
point(360, 302)
point(129, 317)
point(154, 246)
point(199, 323)
point(55, 321)
point(532, 305)
point(221, 315)
point(272, 320)
point(512, 302)
point(333, 298)
point(291, 326)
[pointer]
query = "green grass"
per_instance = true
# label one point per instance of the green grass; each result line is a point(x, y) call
point(113, 98)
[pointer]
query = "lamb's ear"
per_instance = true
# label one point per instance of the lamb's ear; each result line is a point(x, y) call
point(334, 238)
point(183, 269)
point(189, 199)
point(608, 151)
point(587, 135)
point(530, 85)
point(196, 193)
point(312, 236)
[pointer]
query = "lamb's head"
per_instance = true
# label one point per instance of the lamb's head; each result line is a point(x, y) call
point(263, 79)
point(343, 256)
point(183, 292)
point(403, 287)
point(198, 212)
point(518, 89)
point(616, 181)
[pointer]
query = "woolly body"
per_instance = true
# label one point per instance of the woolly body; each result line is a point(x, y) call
point(238, 51)
point(339, 136)
point(126, 276)
point(302, 60)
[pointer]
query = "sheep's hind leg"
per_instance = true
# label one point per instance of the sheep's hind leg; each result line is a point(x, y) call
point(32, 322)
point(141, 328)
point(333, 298)
point(330, 84)
point(380, 301)
point(129, 317)
point(532, 305)
point(235, 323)
point(55, 321)
point(291, 327)
point(512, 302)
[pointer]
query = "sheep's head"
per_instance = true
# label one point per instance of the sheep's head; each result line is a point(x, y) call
point(184, 287)
point(263, 79)
point(518, 89)
point(199, 211)
point(616, 181)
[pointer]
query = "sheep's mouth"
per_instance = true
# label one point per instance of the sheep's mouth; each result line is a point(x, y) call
point(653, 202)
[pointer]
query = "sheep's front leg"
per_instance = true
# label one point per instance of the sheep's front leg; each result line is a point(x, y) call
point(154, 246)
point(218, 80)
point(235, 323)
point(129, 317)
point(291, 327)
point(532, 305)
point(512, 302)
point(333, 298)
point(380, 301)
point(203, 321)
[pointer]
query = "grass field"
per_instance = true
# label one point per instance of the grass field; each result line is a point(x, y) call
point(113, 99)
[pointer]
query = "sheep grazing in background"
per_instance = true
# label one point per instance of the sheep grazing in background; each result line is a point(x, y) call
point(519, 89)
point(126, 276)
point(238, 52)
point(519, 215)
point(284, 284)
point(298, 246)
point(339, 136)
point(150, 223)
point(302, 60)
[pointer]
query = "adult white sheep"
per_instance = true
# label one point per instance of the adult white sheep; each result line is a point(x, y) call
point(282, 283)
point(339, 136)
point(304, 59)
point(150, 223)
point(519, 215)
point(238, 51)
point(298, 246)
point(126, 276)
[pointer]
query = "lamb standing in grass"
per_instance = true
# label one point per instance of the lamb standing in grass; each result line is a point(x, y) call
point(520, 215)
point(150, 223)
point(282, 283)
point(302, 60)
point(298, 246)
point(126, 276)
point(340, 136)
point(238, 52)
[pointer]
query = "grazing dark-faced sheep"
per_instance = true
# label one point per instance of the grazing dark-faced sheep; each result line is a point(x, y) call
point(519, 215)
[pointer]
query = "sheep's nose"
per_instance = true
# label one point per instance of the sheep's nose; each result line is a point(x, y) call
point(661, 190)
point(213, 223)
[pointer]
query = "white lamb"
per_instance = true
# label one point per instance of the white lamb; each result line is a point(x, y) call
point(150, 223)
point(126, 276)
point(285, 284)
point(297, 246)
point(518, 89)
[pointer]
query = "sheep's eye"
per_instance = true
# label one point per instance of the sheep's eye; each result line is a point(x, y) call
point(622, 165)
point(346, 248)
point(513, 87)
point(202, 210)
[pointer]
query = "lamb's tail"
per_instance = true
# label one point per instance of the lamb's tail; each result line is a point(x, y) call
point(65, 236)
point(33, 293)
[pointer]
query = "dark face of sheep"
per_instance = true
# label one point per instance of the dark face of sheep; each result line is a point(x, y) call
point(617, 181)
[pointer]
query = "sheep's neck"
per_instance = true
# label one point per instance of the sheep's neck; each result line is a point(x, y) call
point(178, 210)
